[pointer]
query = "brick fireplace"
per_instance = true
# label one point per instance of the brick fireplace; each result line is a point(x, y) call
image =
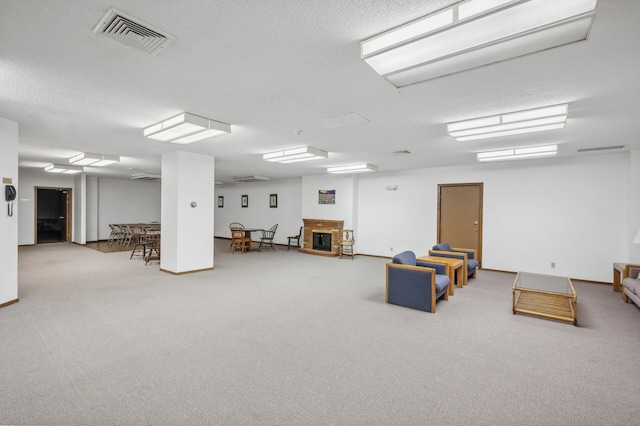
point(322, 227)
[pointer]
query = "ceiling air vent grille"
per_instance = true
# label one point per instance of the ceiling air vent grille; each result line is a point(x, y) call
point(146, 176)
point(601, 148)
point(132, 32)
point(252, 178)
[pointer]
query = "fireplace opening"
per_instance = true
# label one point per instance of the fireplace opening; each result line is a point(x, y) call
point(322, 241)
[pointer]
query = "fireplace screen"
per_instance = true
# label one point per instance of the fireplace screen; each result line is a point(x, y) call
point(322, 241)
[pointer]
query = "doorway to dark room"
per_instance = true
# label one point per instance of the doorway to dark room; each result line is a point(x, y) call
point(53, 215)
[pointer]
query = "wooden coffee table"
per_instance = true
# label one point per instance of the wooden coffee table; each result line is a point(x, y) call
point(545, 296)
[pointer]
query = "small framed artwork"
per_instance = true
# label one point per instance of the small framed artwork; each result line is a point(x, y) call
point(327, 196)
point(245, 201)
point(273, 200)
point(220, 201)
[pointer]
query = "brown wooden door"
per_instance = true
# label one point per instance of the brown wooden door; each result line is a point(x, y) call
point(460, 216)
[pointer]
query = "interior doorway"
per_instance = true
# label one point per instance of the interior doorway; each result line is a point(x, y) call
point(53, 215)
point(460, 215)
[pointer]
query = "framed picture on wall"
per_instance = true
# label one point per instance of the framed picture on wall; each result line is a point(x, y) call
point(220, 201)
point(244, 201)
point(327, 196)
point(273, 200)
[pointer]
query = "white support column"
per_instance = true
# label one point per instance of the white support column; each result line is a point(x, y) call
point(9, 224)
point(80, 209)
point(187, 210)
point(633, 205)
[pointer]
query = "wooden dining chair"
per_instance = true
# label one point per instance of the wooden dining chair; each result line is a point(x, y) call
point(232, 226)
point(139, 239)
point(295, 238)
point(267, 237)
point(240, 241)
point(152, 246)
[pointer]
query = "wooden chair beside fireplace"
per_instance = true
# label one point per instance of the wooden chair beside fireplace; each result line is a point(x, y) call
point(346, 243)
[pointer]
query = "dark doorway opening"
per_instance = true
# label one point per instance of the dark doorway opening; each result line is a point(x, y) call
point(322, 241)
point(53, 215)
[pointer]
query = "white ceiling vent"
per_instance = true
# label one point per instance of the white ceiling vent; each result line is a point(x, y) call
point(145, 176)
point(252, 178)
point(132, 32)
point(601, 148)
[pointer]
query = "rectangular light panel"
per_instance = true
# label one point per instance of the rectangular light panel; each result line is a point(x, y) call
point(512, 123)
point(353, 168)
point(186, 128)
point(518, 153)
point(303, 153)
point(474, 33)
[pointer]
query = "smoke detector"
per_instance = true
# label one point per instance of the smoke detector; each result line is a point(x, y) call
point(132, 32)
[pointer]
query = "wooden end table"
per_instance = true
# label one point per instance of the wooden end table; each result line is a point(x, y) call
point(620, 272)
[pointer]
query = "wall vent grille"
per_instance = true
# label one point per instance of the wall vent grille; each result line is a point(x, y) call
point(252, 178)
point(601, 148)
point(132, 32)
point(146, 176)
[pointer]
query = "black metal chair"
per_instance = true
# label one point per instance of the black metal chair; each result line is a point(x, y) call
point(295, 238)
point(267, 237)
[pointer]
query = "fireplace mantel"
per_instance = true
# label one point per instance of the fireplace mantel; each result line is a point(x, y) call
point(333, 227)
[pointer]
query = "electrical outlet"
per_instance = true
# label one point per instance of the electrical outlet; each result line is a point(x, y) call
point(390, 248)
point(553, 264)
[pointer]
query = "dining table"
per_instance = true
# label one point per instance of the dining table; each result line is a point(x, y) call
point(249, 231)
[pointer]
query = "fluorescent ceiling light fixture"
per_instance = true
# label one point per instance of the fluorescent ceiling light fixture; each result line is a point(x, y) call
point(84, 159)
point(94, 160)
point(55, 168)
point(303, 153)
point(518, 153)
point(58, 168)
point(513, 123)
point(475, 33)
point(353, 168)
point(106, 160)
point(186, 128)
point(72, 170)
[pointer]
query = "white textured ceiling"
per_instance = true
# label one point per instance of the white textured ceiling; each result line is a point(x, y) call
point(273, 67)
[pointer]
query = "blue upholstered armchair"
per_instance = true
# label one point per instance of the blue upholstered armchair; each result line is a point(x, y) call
point(414, 284)
point(470, 257)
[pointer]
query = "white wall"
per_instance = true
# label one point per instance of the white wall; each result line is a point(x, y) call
point(9, 224)
point(29, 179)
point(258, 214)
point(568, 211)
point(346, 194)
point(580, 213)
point(126, 201)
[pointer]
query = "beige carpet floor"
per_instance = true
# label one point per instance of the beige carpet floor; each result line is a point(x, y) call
point(284, 338)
